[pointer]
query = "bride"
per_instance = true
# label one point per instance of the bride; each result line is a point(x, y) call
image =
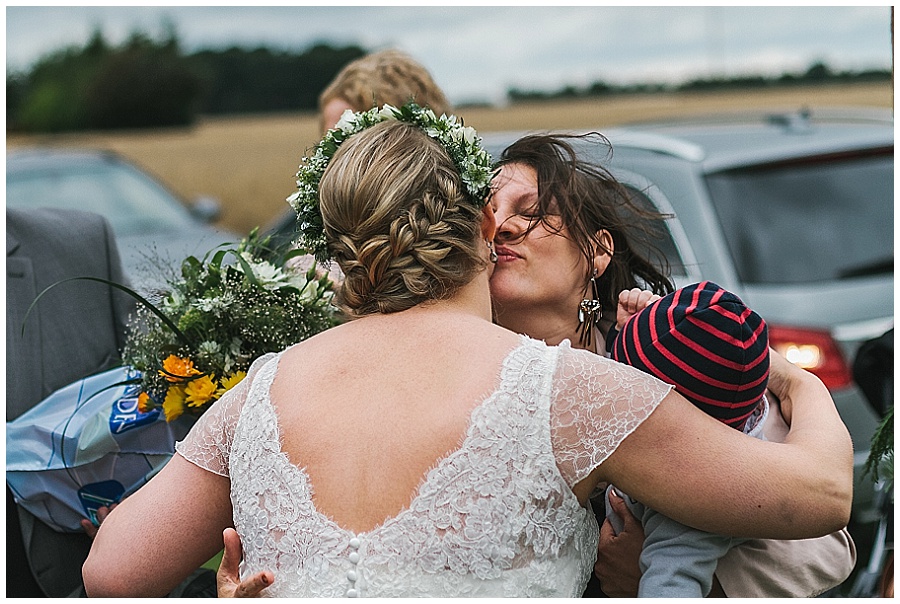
point(421, 450)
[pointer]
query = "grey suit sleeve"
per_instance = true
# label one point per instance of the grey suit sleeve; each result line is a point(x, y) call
point(77, 328)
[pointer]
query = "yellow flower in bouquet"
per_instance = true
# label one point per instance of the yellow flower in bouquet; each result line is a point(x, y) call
point(230, 382)
point(145, 405)
point(177, 369)
point(200, 391)
point(173, 405)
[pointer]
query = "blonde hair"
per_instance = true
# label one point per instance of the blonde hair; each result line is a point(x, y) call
point(398, 221)
point(386, 77)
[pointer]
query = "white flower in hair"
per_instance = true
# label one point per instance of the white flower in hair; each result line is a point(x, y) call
point(345, 124)
point(388, 112)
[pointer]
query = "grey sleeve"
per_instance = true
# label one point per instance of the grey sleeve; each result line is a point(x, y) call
point(678, 561)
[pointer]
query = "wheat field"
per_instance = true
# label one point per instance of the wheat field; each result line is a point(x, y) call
point(248, 163)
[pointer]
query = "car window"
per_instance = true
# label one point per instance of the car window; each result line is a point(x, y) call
point(132, 202)
point(823, 218)
point(658, 240)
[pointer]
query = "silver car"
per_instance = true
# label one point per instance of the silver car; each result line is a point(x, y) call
point(154, 229)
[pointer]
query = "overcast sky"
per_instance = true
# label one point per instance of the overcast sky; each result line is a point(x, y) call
point(477, 53)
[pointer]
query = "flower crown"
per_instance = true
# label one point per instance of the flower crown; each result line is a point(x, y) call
point(461, 142)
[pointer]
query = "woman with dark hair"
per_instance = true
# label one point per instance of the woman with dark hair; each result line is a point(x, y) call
point(544, 190)
point(567, 245)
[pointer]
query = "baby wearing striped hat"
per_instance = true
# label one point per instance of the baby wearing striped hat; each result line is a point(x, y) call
point(715, 351)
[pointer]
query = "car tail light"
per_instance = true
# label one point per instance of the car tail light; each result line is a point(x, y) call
point(814, 351)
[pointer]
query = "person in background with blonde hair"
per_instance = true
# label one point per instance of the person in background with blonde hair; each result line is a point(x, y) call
point(386, 77)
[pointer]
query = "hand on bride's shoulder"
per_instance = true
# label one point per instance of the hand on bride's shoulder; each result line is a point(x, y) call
point(228, 580)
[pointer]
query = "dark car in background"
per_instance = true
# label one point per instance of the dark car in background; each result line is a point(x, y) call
point(155, 229)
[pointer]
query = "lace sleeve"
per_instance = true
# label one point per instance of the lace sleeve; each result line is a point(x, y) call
point(595, 404)
point(208, 444)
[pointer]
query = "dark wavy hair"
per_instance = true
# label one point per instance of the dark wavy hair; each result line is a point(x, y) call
point(587, 198)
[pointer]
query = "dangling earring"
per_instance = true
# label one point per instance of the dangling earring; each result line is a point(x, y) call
point(493, 256)
point(589, 312)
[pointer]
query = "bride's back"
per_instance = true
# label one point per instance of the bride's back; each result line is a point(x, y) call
point(367, 408)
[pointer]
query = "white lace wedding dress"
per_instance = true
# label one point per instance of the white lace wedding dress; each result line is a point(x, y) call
point(496, 517)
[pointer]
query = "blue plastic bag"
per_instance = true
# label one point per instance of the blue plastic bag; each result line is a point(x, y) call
point(84, 447)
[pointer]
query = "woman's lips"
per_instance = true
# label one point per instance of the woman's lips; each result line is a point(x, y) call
point(504, 254)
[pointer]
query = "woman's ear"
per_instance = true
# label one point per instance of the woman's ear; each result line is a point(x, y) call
point(603, 251)
point(488, 222)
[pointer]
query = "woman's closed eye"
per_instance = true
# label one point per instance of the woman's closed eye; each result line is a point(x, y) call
point(524, 221)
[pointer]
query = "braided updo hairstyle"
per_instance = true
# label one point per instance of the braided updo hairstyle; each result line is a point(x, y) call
point(398, 220)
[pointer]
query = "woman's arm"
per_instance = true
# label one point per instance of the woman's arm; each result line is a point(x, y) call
point(159, 535)
point(796, 568)
point(698, 471)
point(759, 568)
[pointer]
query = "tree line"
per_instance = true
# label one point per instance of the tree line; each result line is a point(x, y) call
point(147, 83)
point(817, 73)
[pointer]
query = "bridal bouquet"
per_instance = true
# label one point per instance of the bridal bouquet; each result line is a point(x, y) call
point(224, 311)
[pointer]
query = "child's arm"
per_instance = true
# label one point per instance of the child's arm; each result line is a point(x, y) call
point(678, 561)
point(632, 301)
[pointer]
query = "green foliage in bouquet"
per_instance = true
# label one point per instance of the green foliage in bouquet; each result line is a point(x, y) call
point(225, 311)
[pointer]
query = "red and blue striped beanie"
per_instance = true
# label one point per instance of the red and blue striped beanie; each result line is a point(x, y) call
point(708, 344)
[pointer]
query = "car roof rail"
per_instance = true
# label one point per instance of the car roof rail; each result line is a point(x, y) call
point(791, 122)
point(624, 137)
